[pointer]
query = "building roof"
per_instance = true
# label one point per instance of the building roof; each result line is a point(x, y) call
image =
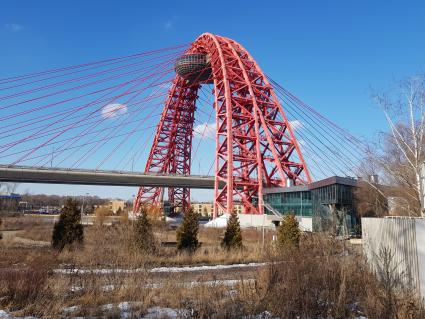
point(350, 181)
point(273, 190)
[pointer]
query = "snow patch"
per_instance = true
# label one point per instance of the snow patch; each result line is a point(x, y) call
point(105, 271)
point(203, 268)
point(160, 312)
point(4, 315)
point(219, 222)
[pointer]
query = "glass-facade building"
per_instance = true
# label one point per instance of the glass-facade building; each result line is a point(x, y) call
point(290, 200)
point(328, 202)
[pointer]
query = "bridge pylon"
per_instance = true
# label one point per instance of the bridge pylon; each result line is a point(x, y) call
point(255, 144)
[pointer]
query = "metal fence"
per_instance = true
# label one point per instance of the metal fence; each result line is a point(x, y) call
point(404, 238)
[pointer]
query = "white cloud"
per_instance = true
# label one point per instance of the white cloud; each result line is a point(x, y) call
point(13, 27)
point(113, 110)
point(296, 125)
point(205, 129)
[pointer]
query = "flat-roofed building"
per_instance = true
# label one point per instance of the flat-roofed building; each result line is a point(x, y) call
point(325, 205)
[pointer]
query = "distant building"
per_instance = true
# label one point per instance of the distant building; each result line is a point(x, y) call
point(203, 208)
point(116, 205)
point(206, 209)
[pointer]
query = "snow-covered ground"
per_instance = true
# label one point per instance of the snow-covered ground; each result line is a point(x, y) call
point(6, 315)
point(126, 311)
point(188, 284)
point(105, 271)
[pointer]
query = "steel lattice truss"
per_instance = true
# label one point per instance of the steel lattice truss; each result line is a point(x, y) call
point(255, 145)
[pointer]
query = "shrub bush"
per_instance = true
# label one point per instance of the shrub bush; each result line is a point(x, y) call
point(68, 231)
point(233, 236)
point(288, 233)
point(143, 237)
point(187, 233)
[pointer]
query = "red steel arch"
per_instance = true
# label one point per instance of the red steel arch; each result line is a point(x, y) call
point(255, 144)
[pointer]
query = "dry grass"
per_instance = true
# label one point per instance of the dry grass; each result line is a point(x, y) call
point(19, 221)
point(27, 287)
point(41, 232)
point(322, 279)
point(325, 279)
point(109, 245)
point(101, 213)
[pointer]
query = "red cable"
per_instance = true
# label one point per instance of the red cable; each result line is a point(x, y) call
point(20, 77)
point(86, 156)
point(149, 98)
point(63, 131)
point(96, 67)
point(118, 145)
point(77, 146)
point(100, 130)
point(85, 77)
point(75, 88)
point(43, 118)
point(87, 105)
point(53, 143)
point(53, 129)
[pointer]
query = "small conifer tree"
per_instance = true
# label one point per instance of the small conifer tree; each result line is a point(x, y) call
point(187, 233)
point(143, 237)
point(68, 230)
point(233, 236)
point(288, 233)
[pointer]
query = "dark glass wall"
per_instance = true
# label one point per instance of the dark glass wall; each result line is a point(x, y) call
point(333, 209)
point(298, 203)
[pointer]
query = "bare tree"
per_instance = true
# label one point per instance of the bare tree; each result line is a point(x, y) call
point(370, 200)
point(8, 187)
point(401, 151)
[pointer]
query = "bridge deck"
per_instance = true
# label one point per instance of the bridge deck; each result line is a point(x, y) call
point(25, 174)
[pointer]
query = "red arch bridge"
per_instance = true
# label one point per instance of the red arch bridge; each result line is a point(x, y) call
point(164, 112)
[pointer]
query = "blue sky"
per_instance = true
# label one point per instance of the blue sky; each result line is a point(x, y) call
point(331, 54)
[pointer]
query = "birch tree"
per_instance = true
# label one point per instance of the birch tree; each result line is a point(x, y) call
point(401, 153)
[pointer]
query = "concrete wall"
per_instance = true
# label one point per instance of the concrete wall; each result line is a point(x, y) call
point(249, 220)
point(305, 223)
point(405, 238)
